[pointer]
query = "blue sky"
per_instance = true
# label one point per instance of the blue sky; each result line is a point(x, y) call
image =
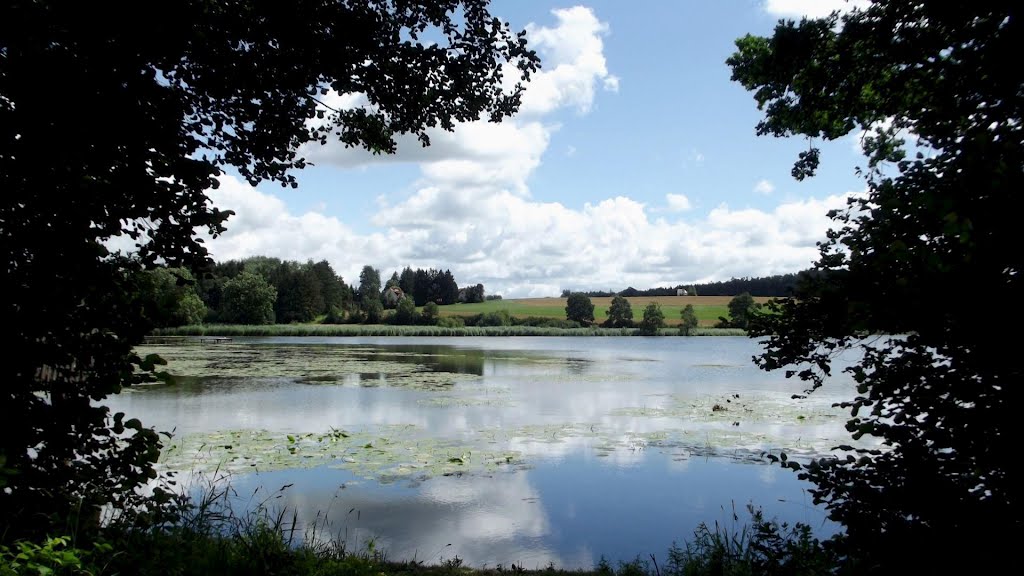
point(633, 162)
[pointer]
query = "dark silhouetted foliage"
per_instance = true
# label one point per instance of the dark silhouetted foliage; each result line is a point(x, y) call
point(741, 309)
point(472, 294)
point(169, 298)
point(145, 119)
point(938, 214)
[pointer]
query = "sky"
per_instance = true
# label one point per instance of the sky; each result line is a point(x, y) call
point(632, 162)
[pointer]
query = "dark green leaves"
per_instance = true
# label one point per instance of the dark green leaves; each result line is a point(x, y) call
point(620, 313)
point(806, 164)
point(653, 319)
point(147, 120)
point(934, 224)
point(151, 361)
point(579, 308)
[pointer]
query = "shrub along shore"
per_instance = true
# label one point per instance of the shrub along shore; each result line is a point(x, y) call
point(241, 330)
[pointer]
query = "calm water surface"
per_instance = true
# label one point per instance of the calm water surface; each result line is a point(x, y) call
point(497, 450)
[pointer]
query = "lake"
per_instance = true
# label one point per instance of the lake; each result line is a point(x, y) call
point(495, 450)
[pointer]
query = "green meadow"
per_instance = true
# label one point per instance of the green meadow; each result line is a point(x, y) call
point(708, 308)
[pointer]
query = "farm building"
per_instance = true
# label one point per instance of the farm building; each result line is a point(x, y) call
point(392, 295)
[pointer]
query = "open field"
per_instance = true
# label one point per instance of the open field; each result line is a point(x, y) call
point(708, 308)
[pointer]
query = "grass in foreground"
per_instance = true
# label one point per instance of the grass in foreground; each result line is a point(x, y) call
point(210, 539)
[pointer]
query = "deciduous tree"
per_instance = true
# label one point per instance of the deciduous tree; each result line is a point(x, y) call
point(741, 308)
point(248, 299)
point(405, 312)
point(146, 117)
point(579, 308)
point(689, 320)
point(429, 314)
point(653, 320)
point(373, 311)
point(938, 212)
point(475, 293)
point(620, 313)
point(169, 298)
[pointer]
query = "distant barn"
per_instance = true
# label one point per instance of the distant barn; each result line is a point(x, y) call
point(392, 296)
point(681, 292)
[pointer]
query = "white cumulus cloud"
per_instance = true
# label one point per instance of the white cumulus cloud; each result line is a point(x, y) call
point(501, 157)
point(573, 56)
point(764, 187)
point(677, 202)
point(811, 8)
point(518, 247)
point(471, 211)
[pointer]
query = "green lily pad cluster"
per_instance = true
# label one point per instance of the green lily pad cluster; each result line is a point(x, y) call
point(387, 454)
point(743, 408)
point(312, 364)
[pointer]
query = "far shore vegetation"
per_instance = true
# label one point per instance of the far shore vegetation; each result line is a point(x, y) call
point(264, 291)
point(262, 294)
point(531, 317)
point(601, 316)
point(241, 330)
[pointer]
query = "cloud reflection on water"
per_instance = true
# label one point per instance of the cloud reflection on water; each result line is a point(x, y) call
point(618, 431)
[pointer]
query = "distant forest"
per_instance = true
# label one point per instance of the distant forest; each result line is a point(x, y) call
point(264, 290)
point(778, 285)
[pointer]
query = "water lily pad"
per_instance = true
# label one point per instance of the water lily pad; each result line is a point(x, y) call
point(312, 364)
point(387, 454)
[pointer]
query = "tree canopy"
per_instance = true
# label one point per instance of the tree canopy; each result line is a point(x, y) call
point(434, 286)
point(248, 299)
point(939, 212)
point(579, 308)
point(369, 284)
point(741, 309)
point(620, 313)
point(653, 319)
point(689, 322)
point(405, 312)
point(147, 117)
point(169, 298)
point(430, 313)
point(299, 297)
